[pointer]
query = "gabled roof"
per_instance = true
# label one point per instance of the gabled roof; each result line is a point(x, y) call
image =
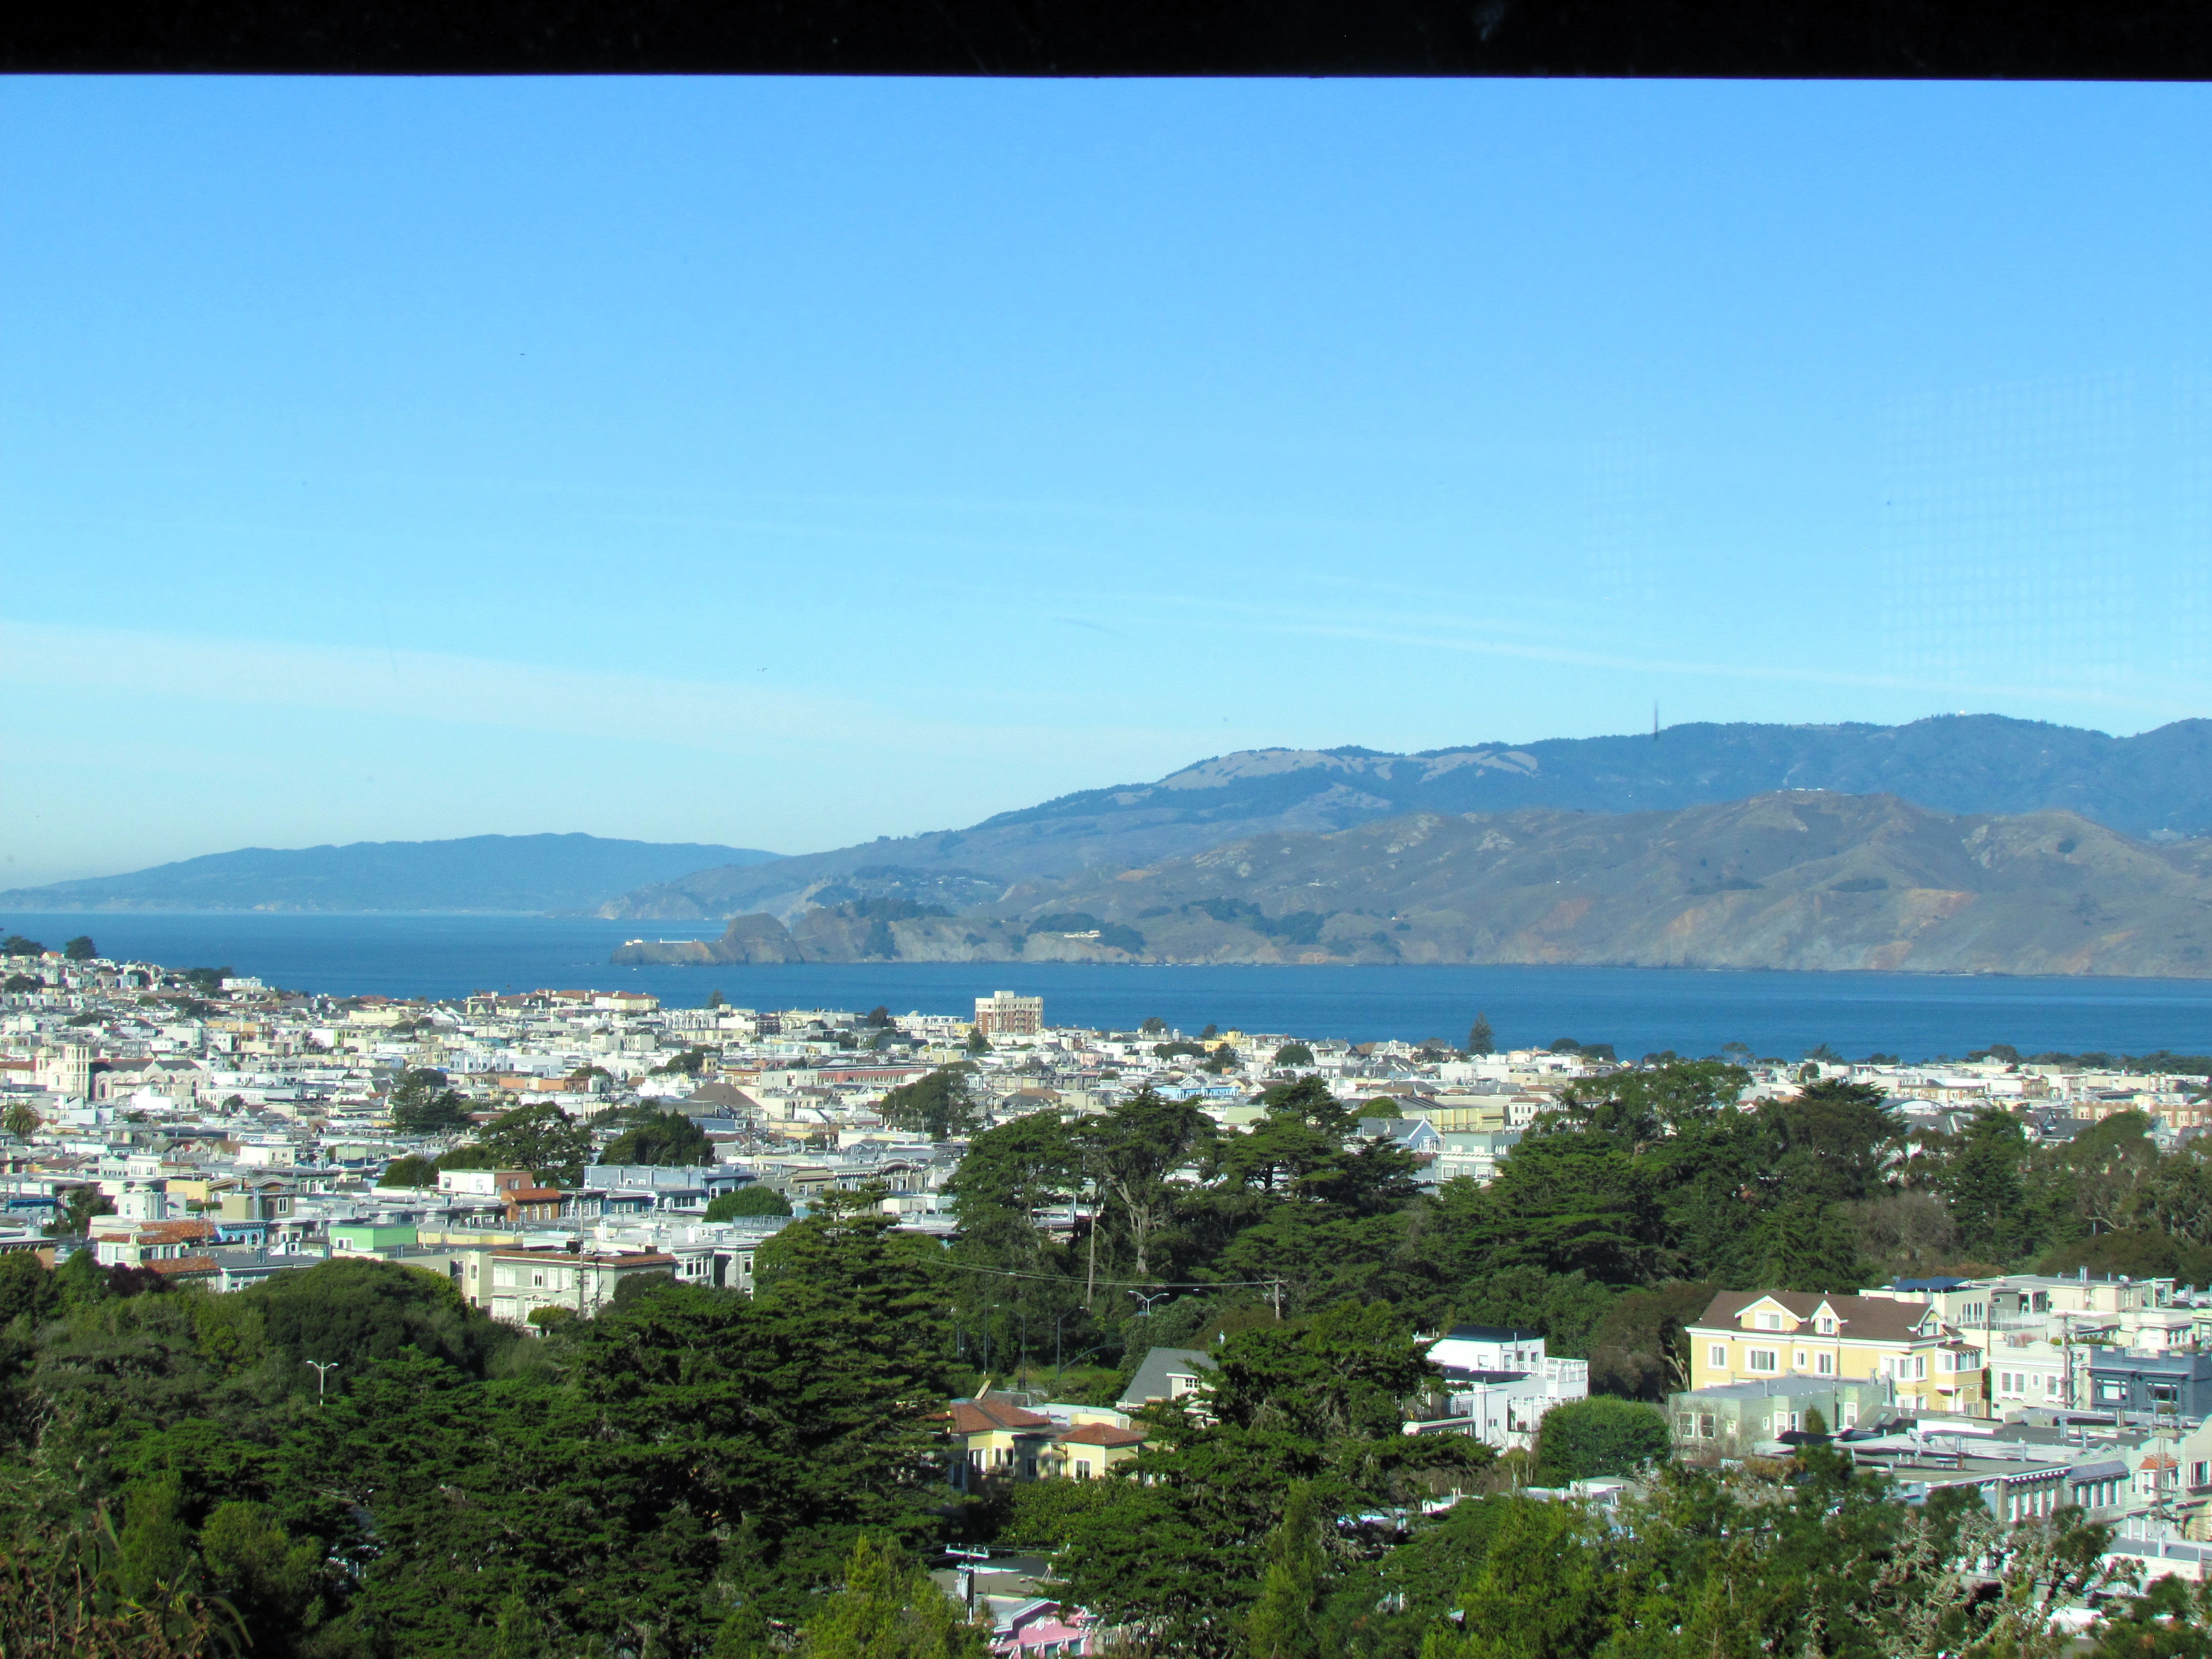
point(1151, 1382)
point(1874, 1317)
point(718, 1093)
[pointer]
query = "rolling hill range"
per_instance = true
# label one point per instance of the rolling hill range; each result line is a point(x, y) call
point(479, 873)
point(1787, 880)
point(2157, 783)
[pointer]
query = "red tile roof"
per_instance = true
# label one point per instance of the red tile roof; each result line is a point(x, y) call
point(1103, 1434)
point(987, 1416)
point(175, 1232)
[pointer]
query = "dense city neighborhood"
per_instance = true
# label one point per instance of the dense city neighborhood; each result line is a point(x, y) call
point(213, 1130)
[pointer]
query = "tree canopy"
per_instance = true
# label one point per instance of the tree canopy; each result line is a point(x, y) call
point(757, 1199)
point(667, 1138)
point(938, 1105)
point(423, 1103)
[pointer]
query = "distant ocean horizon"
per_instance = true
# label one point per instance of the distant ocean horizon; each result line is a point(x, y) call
point(1637, 1010)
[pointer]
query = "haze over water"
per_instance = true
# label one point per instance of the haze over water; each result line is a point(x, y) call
point(1637, 1010)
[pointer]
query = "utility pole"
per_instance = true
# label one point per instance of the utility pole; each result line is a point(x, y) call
point(1091, 1272)
point(1275, 1294)
point(323, 1369)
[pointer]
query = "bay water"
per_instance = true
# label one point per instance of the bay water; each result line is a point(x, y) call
point(1639, 1011)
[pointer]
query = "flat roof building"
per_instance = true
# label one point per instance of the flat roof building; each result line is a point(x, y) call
point(1003, 1014)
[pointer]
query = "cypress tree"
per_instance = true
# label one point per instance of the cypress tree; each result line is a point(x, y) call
point(1282, 1622)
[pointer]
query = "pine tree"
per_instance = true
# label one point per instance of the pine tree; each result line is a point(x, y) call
point(1282, 1623)
point(888, 1609)
point(1480, 1039)
point(157, 1546)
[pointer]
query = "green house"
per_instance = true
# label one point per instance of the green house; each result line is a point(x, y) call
point(369, 1237)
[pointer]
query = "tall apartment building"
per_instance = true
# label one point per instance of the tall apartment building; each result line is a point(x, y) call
point(1003, 1014)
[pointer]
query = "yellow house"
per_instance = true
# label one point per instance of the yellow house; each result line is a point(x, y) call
point(1090, 1449)
point(995, 1439)
point(1749, 1336)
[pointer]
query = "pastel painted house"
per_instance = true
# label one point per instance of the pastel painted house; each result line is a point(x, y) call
point(1758, 1336)
point(1031, 1628)
point(370, 1237)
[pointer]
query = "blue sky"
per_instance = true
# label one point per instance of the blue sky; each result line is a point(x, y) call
point(788, 462)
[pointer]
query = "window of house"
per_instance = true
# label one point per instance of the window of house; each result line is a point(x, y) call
point(1717, 1355)
point(1764, 1359)
point(1827, 1325)
point(1685, 1424)
point(1826, 1365)
point(1705, 1425)
point(1770, 1322)
point(2200, 1475)
point(1799, 1361)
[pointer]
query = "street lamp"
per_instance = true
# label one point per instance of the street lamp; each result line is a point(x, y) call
point(1079, 1358)
point(323, 1369)
point(1145, 1312)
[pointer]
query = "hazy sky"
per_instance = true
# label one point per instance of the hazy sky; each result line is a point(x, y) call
point(788, 462)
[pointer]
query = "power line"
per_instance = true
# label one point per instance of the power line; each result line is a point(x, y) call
point(1123, 1284)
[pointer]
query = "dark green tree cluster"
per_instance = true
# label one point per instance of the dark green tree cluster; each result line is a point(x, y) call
point(422, 1102)
point(1213, 1536)
point(540, 1137)
point(756, 1200)
point(689, 1469)
point(689, 1062)
point(693, 1474)
point(2108, 1200)
point(1065, 1226)
point(666, 1139)
point(936, 1105)
point(1285, 1522)
point(1608, 1227)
